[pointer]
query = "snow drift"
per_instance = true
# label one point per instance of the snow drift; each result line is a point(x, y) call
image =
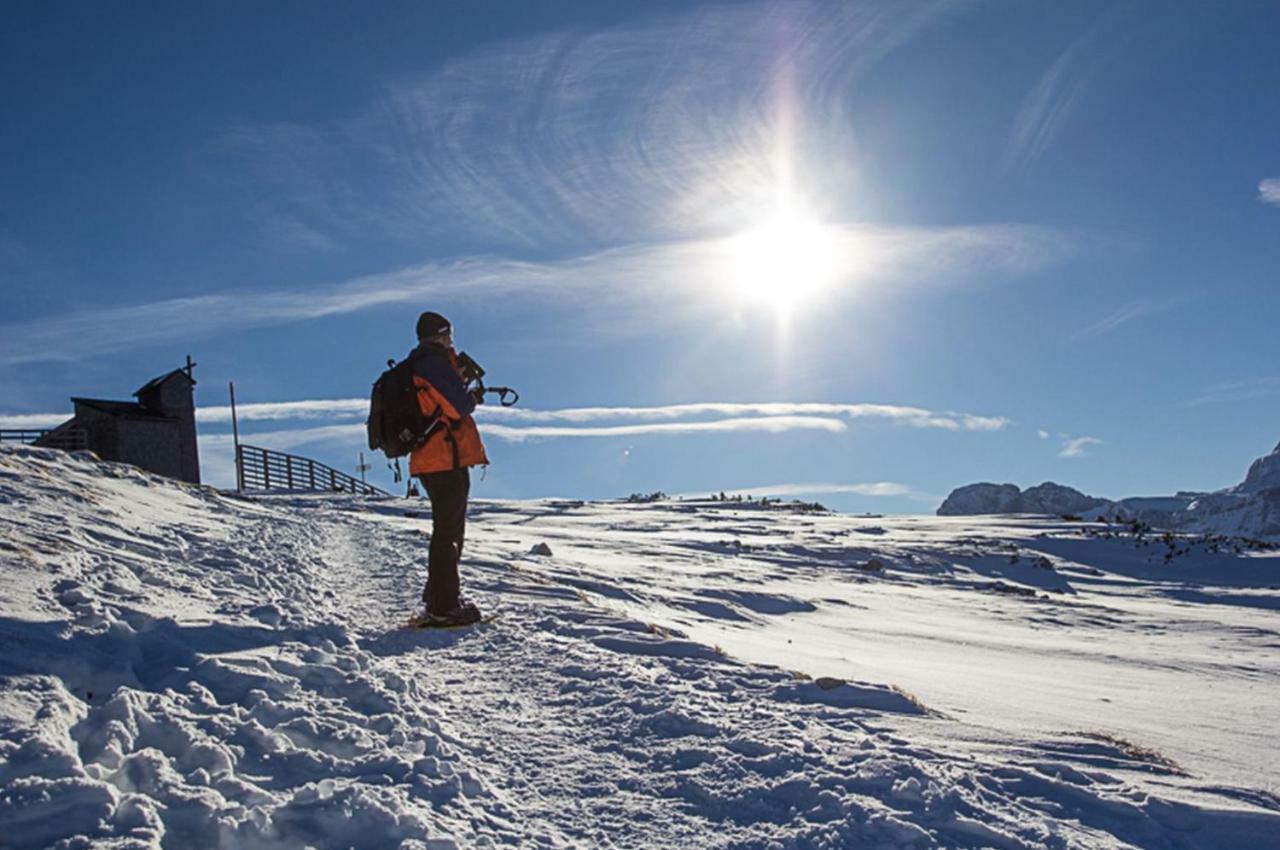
point(184, 668)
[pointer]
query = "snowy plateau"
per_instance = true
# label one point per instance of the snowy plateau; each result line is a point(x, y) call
point(187, 668)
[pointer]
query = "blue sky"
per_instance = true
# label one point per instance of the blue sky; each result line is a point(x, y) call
point(887, 248)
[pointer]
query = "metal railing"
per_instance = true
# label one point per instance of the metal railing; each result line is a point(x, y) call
point(263, 469)
point(67, 439)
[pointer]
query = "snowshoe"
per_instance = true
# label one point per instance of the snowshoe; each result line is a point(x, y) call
point(462, 615)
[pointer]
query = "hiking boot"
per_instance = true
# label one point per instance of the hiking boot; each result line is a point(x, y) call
point(460, 615)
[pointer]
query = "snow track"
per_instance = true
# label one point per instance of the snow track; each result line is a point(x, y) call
point(186, 669)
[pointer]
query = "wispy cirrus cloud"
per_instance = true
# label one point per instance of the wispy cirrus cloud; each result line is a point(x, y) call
point(1057, 95)
point(1269, 191)
point(1235, 391)
point(1126, 313)
point(618, 286)
point(1078, 446)
point(660, 137)
point(653, 128)
point(1049, 103)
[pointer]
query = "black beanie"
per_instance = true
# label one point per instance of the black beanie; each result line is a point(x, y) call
point(432, 324)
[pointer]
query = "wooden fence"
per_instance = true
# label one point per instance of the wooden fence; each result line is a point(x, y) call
point(263, 469)
point(67, 439)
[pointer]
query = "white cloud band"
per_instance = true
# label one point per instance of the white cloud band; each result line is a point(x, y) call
point(291, 438)
point(912, 416)
point(33, 421)
point(660, 417)
point(768, 424)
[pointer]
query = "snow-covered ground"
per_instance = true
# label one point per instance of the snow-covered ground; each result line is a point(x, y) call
point(188, 669)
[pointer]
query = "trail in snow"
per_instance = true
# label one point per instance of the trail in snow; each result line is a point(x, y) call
point(182, 668)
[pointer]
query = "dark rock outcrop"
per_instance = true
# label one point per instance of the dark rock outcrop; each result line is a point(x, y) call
point(1046, 498)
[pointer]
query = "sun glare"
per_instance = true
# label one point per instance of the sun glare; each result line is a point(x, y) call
point(783, 262)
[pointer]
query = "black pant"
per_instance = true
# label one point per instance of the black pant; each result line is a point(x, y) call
point(448, 492)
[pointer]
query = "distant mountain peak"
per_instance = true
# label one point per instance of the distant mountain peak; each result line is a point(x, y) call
point(1046, 498)
point(1249, 509)
point(1263, 474)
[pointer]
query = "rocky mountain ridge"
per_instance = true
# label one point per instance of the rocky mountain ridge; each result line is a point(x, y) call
point(1249, 509)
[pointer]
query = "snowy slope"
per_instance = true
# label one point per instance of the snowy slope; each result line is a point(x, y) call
point(183, 668)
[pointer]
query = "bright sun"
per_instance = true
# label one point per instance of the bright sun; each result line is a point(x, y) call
point(783, 262)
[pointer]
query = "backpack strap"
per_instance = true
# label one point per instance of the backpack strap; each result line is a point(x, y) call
point(453, 442)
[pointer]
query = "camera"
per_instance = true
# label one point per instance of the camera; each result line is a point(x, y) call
point(470, 369)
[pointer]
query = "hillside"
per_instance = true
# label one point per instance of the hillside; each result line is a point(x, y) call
point(185, 668)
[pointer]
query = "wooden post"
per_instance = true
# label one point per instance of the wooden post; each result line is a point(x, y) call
point(235, 436)
point(362, 467)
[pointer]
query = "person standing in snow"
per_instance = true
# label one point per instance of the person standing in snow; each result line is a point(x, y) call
point(442, 463)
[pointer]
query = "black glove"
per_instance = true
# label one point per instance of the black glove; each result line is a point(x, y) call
point(478, 395)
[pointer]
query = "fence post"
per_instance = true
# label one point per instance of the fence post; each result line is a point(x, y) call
point(266, 471)
point(235, 436)
point(311, 472)
point(288, 470)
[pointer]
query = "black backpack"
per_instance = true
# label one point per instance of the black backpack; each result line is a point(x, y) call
point(396, 423)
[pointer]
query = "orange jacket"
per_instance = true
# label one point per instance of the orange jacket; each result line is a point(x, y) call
point(455, 441)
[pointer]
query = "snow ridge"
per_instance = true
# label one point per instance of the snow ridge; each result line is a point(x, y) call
point(184, 668)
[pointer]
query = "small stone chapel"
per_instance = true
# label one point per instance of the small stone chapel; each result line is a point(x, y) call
point(157, 432)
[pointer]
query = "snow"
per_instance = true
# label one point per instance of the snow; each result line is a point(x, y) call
point(185, 668)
